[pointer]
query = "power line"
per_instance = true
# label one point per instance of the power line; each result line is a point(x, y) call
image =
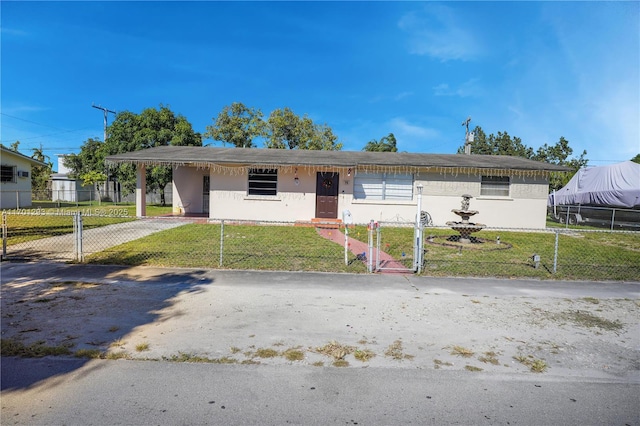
point(32, 122)
point(50, 134)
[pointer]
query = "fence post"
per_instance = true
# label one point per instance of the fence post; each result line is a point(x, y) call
point(613, 217)
point(378, 243)
point(555, 253)
point(80, 250)
point(75, 236)
point(4, 235)
point(370, 260)
point(221, 242)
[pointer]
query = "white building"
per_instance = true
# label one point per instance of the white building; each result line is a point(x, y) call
point(15, 179)
point(65, 188)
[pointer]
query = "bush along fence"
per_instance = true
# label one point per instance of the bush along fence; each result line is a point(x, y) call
point(552, 253)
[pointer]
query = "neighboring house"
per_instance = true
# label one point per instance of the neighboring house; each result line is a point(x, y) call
point(300, 185)
point(65, 188)
point(15, 179)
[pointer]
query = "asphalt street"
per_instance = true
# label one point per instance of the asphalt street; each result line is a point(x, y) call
point(163, 393)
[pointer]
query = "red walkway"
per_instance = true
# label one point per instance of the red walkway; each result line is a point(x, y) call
point(358, 247)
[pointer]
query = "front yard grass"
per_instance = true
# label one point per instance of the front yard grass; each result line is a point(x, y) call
point(581, 255)
point(286, 248)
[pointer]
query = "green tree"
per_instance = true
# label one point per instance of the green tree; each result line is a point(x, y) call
point(285, 129)
point(322, 138)
point(88, 164)
point(385, 144)
point(90, 158)
point(40, 175)
point(151, 128)
point(14, 146)
point(559, 154)
point(500, 144)
point(238, 125)
point(504, 144)
point(636, 159)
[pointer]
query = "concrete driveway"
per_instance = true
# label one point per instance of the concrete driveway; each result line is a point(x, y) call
point(62, 247)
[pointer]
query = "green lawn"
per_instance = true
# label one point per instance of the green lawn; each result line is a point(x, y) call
point(581, 255)
point(285, 248)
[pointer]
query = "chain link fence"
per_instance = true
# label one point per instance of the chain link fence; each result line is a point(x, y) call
point(115, 238)
point(61, 198)
point(600, 217)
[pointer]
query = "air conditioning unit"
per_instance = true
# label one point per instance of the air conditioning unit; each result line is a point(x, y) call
point(23, 174)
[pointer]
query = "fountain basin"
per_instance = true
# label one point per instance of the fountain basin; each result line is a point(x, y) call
point(465, 230)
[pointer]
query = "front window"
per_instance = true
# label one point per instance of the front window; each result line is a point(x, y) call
point(263, 182)
point(383, 186)
point(8, 174)
point(495, 185)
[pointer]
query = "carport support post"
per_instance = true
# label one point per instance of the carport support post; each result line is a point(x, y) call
point(141, 190)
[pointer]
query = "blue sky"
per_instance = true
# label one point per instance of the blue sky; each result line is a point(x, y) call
point(538, 70)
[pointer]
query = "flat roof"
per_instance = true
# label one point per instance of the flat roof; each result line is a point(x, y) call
point(203, 156)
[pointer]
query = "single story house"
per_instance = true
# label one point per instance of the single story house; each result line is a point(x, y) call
point(301, 185)
point(15, 178)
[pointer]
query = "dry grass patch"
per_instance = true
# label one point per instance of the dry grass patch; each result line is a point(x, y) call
point(88, 353)
point(117, 355)
point(462, 351)
point(11, 347)
point(141, 347)
point(437, 364)
point(189, 357)
point(335, 350)
point(266, 353)
point(472, 368)
point(489, 358)
point(587, 319)
point(535, 365)
point(293, 354)
point(396, 351)
point(363, 355)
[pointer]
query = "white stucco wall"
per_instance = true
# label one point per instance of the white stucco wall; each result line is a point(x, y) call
point(525, 207)
point(187, 190)
point(16, 194)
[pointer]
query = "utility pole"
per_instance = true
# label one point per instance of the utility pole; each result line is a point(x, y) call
point(105, 111)
point(106, 169)
point(468, 136)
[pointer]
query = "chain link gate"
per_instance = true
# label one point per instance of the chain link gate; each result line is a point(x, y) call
point(403, 255)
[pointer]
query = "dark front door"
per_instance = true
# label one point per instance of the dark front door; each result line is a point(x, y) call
point(206, 185)
point(327, 195)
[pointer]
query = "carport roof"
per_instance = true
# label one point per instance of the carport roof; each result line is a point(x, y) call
point(262, 157)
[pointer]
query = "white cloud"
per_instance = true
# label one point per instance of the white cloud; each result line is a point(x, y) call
point(469, 88)
point(13, 32)
point(437, 32)
point(402, 95)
